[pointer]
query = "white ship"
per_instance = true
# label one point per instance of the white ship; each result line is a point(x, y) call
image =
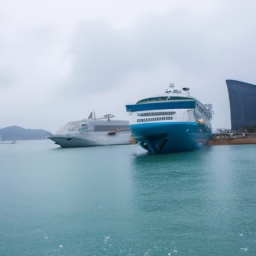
point(93, 132)
point(171, 122)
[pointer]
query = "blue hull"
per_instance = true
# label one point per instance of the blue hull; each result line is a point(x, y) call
point(169, 137)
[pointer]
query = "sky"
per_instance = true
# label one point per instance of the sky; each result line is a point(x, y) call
point(62, 59)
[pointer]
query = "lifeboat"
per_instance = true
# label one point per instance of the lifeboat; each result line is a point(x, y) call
point(200, 121)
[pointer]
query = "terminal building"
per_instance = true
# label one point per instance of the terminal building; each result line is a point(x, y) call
point(242, 100)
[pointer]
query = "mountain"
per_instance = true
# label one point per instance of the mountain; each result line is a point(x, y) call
point(19, 133)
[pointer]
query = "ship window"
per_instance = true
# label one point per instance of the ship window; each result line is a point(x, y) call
point(148, 100)
point(157, 113)
point(154, 119)
point(179, 98)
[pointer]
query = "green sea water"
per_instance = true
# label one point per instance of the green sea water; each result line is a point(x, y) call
point(117, 200)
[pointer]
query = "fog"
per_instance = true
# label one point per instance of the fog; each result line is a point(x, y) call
point(62, 59)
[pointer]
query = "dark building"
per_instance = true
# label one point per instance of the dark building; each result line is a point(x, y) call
point(242, 99)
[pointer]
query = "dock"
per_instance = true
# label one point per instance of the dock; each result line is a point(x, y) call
point(232, 139)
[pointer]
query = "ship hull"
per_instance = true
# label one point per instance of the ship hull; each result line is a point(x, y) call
point(92, 139)
point(170, 137)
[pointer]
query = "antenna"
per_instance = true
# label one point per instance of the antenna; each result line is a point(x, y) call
point(108, 116)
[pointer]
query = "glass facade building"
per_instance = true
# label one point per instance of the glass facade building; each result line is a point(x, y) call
point(242, 99)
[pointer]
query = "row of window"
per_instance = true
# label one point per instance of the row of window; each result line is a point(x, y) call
point(154, 119)
point(107, 128)
point(157, 113)
point(164, 98)
point(152, 100)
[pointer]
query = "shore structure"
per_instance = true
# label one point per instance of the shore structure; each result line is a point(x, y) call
point(232, 139)
point(243, 115)
point(242, 106)
point(93, 132)
point(170, 122)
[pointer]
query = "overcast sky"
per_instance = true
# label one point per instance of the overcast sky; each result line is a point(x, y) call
point(61, 59)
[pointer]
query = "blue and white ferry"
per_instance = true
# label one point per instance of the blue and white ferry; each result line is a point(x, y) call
point(170, 122)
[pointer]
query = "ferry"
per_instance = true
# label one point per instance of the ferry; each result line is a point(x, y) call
point(170, 122)
point(93, 132)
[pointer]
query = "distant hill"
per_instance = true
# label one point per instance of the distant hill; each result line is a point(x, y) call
point(19, 133)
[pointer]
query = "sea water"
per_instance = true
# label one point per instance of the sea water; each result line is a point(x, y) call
point(118, 200)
